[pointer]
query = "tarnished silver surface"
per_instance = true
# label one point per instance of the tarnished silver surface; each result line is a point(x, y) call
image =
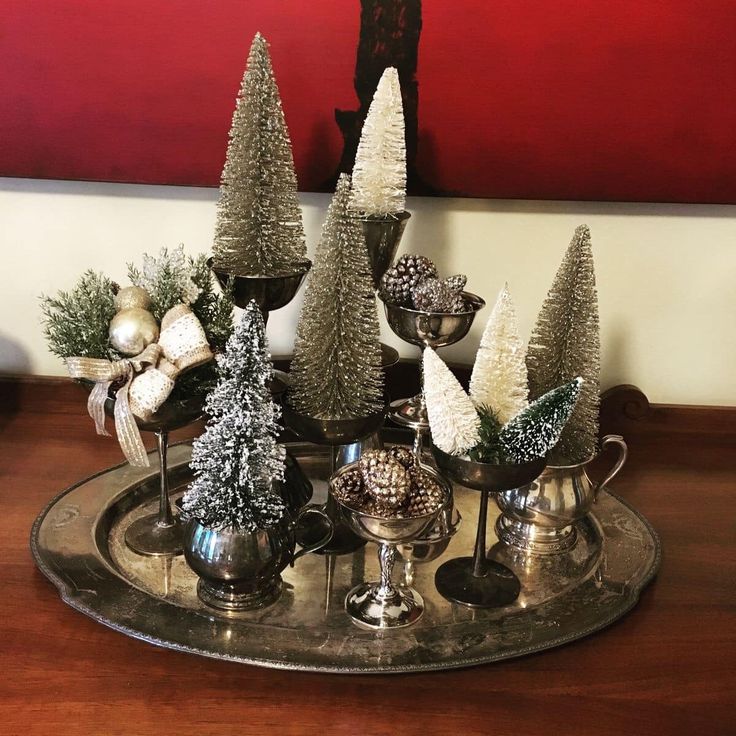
point(77, 542)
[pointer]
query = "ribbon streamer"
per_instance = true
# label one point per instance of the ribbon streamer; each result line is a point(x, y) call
point(104, 373)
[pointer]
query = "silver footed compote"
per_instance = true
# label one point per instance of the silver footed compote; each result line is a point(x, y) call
point(426, 329)
point(384, 604)
point(269, 292)
point(335, 433)
point(476, 581)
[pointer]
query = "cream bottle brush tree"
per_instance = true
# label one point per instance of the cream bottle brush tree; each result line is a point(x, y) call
point(456, 425)
point(379, 174)
point(565, 343)
point(499, 378)
point(336, 370)
point(259, 228)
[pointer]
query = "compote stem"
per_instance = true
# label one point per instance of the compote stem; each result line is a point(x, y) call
point(386, 556)
point(479, 557)
point(418, 434)
point(165, 517)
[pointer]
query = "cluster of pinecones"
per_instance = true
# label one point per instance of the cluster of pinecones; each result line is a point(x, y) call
point(413, 281)
point(389, 483)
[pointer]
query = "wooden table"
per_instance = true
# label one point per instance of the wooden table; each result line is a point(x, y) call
point(669, 667)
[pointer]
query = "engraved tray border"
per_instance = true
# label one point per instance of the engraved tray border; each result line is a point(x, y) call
point(83, 581)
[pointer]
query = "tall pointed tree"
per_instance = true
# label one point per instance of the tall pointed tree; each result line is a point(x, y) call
point(259, 224)
point(237, 458)
point(452, 417)
point(379, 174)
point(336, 371)
point(565, 343)
point(499, 379)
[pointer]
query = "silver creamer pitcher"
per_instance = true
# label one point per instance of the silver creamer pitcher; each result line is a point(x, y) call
point(540, 518)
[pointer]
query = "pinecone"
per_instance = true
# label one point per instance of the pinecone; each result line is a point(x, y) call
point(433, 295)
point(403, 454)
point(399, 281)
point(426, 494)
point(386, 480)
point(348, 487)
point(456, 283)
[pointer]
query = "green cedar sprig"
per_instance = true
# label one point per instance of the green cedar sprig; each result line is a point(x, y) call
point(76, 322)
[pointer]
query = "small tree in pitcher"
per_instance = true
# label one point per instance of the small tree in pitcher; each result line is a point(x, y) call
point(237, 459)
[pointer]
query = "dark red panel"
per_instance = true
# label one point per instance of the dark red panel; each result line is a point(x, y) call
point(562, 99)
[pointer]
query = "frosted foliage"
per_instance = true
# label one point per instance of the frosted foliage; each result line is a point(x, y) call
point(534, 432)
point(237, 459)
point(379, 174)
point(453, 419)
point(499, 374)
point(259, 224)
point(565, 343)
point(336, 371)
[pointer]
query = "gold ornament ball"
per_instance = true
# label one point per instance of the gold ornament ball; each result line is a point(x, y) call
point(132, 330)
point(130, 297)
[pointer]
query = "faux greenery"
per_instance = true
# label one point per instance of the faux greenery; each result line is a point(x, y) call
point(76, 322)
point(489, 449)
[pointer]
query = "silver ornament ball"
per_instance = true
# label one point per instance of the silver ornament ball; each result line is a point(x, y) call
point(132, 296)
point(132, 330)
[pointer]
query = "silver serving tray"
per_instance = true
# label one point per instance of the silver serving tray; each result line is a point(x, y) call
point(77, 542)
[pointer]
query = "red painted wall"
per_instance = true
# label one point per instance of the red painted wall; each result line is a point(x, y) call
point(554, 99)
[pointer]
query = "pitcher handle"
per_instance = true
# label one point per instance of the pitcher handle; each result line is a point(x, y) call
point(319, 510)
point(618, 440)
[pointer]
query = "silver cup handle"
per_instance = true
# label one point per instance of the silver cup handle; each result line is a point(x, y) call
point(618, 440)
point(313, 509)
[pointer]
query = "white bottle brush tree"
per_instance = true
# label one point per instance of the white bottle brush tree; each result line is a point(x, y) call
point(499, 380)
point(336, 370)
point(259, 228)
point(452, 416)
point(237, 459)
point(379, 174)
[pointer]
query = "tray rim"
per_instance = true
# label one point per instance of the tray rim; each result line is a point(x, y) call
point(66, 594)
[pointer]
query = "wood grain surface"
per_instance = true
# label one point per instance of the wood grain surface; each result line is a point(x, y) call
point(669, 667)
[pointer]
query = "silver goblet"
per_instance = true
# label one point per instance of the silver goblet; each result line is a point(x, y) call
point(160, 534)
point(426, 329)
point(383, 604)
point(476, 581)
point(382, 238)
point(269, 292)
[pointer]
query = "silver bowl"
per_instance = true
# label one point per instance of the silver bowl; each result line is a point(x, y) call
point(382, 604)
point(477, 582)
point(269, 292)
point(433, 329)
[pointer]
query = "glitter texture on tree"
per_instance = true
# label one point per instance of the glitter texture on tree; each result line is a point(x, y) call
point(237, 459)
point(336, 371)
point(259, 228)
point(565, 343)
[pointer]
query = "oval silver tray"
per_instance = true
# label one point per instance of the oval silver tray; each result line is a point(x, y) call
point(77, 542)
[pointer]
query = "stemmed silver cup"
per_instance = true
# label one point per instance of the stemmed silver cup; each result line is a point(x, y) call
point(384, 604)
point(476, 581)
